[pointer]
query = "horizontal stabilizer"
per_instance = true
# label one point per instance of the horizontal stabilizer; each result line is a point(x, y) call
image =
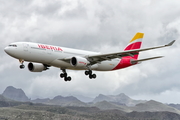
point(140, 60)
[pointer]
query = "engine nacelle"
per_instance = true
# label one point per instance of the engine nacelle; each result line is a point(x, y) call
point(35, 67)
point(79, 61)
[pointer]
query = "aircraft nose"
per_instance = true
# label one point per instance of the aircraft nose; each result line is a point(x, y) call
point(6, 49)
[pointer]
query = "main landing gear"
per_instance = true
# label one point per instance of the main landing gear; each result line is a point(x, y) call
point(89, 72)
point(22, 65)
point(68, 78)
point(65, 76)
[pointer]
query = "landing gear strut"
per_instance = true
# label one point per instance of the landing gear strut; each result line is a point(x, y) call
point(65, 76)
point(22, 65)
point(89, 72)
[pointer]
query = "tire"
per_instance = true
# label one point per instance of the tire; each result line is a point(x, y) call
point(61, 75)
point(22, 66)
point(69, 78)
point(90, 72)
point(90, 76)
point(94, 76)
point(65, 74)
point(86, 72)
point(66, 79)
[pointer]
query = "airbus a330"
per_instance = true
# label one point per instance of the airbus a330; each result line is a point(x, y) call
point(41, 57)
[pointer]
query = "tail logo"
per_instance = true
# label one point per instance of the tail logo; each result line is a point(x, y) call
point(135, 43)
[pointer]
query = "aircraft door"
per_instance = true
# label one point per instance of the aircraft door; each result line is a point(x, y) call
point(25, 47)
point(49, 51)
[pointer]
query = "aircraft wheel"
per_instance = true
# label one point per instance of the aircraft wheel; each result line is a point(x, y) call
point(65, 79)
point(90, 76)
point(69, 78)
point(94, 76)
point(61, 75)
point(86, 72)
point(90, 72)
point(65, 74)
point(22, 66)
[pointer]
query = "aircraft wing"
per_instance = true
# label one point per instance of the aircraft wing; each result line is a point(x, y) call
point(102, 57)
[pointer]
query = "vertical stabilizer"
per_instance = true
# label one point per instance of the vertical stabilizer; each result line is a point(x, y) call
point(135, 43)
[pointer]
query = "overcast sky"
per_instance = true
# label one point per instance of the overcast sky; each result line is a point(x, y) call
point(95, 25)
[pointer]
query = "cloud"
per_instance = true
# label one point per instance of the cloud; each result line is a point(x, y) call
point(103, 26)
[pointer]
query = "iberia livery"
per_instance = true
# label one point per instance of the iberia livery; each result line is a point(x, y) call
point(41, 57)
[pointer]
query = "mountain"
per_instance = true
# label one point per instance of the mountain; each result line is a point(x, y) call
point(165, 115)
point(177, 106)
point(41, 100)
point(118, 99)
point(6, 102)
point(154, 106)
point(15, 94)
point(60, 100)
point(151, 106)
point(104, 105)
point(2, 98)
point(48, 112)
point(84, 98)
point(66, 101)
point(103, 102)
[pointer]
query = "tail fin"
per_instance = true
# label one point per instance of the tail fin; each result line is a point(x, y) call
point(135, 43)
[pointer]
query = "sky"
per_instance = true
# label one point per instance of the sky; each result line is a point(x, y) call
point(95, 25)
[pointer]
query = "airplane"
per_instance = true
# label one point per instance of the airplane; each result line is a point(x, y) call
point(42, 56)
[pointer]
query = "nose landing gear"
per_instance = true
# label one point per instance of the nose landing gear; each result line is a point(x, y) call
point(22, 65)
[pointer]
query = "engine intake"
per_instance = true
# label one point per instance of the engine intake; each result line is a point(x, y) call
point(35, 67)
point(79, 61)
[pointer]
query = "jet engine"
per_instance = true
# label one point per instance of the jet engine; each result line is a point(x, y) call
point(35, 67)
point(79, 61)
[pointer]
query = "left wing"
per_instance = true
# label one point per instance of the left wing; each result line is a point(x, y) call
point(102, 57)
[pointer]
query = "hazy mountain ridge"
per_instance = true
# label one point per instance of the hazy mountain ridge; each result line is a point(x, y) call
point(153, 106)
point(177, 106)
point(6, 102)
point(66, 101)
point(15, 94)
point(104, 102)
point(38, 100)
point(104, 105)
point(118, 99)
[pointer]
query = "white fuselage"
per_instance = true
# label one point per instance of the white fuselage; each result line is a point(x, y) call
point(42, 56)
point(55, 56)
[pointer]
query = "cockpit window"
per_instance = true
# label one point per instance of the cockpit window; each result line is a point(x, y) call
point(13, 45)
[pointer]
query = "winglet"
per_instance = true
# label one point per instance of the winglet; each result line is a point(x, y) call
point(170, 43)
